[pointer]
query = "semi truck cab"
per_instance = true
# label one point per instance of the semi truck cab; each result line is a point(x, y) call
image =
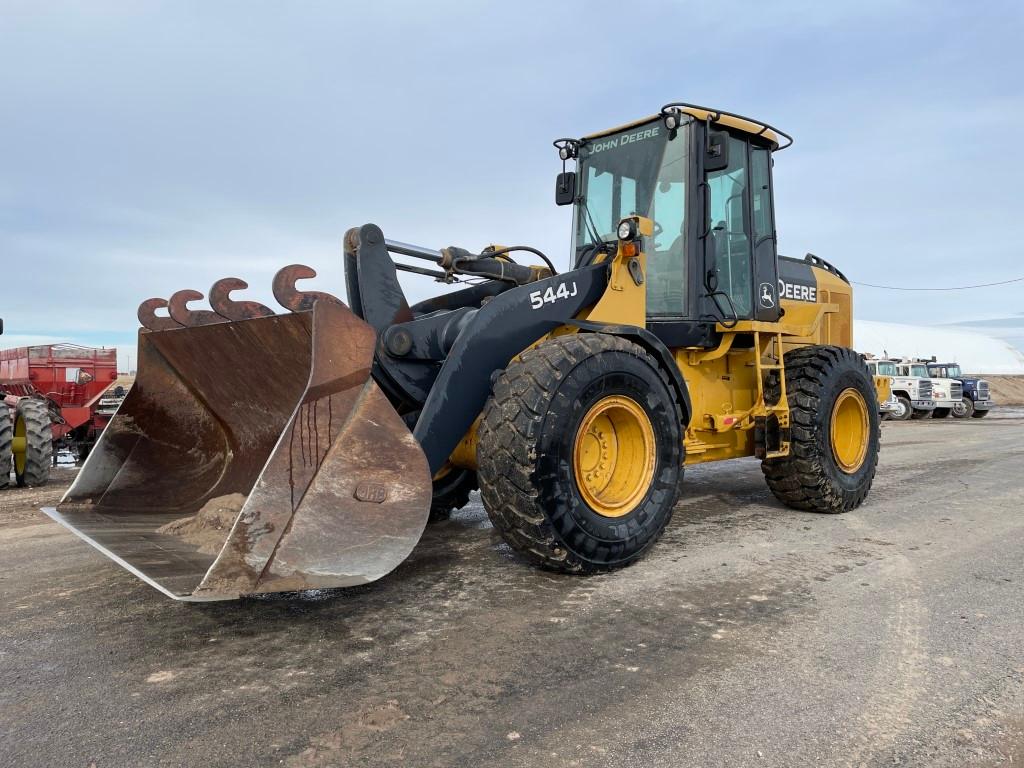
point(975, 398)
point(947, 393)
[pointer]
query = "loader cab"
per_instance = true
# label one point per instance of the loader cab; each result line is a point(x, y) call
point(707, 187)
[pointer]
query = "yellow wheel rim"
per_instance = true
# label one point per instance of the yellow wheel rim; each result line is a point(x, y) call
point(850, 430)
point(614, 455)
point(18, 445)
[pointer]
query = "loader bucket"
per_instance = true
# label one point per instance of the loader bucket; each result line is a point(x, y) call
point(254, 456)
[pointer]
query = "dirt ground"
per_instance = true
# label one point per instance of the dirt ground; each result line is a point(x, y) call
point(752, 635)
point(1007, 390)
point(20, 506)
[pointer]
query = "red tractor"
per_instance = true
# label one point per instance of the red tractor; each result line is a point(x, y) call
point(57, 397)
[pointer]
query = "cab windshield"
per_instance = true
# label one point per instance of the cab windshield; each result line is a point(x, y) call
point(919, 370)
point(641, 170)
point(887, 369)
point(946, 372)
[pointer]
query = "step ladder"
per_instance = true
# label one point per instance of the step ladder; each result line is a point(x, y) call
point(771, 428)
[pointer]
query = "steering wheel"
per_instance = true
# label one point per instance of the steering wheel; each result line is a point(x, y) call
point(658, 229)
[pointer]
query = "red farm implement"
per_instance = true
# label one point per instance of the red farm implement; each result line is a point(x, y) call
point(58, 396)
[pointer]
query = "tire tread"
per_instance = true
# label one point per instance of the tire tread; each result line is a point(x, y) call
point(509, 430)
point(800, 480)
point(39, 443)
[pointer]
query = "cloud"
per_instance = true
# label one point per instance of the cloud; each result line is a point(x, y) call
point(166, 145)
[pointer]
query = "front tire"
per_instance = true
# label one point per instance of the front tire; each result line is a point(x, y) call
point(33, 441)
point(907, 409)
point(834, 432)
point(6, 438)
point(964, 409)
point(580, 453)
point(919, 414)
point(940, 413)
point(979, 414)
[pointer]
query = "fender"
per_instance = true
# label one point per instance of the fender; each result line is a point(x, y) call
point(656, 348)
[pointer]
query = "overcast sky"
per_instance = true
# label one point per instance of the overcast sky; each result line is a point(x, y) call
point(153, 146)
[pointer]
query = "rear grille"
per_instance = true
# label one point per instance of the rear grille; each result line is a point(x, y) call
point(925, 390)
point(983, 390)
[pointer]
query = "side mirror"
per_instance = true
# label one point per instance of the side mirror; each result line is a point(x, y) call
point(716, 156)
point(565, 188)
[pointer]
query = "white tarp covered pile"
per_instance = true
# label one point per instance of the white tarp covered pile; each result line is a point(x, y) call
point(976, 352)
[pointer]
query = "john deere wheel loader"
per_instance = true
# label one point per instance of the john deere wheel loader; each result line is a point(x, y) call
point(573, 400)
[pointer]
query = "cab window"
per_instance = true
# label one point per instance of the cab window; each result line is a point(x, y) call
point(666, 263)
point(760, 170)
point(729, 241)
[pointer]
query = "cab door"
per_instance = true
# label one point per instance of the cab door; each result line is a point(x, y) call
point(762, 212)
point(740, 270)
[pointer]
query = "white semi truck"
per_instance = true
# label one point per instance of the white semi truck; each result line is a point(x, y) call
point(947, 393)
point(913, 392)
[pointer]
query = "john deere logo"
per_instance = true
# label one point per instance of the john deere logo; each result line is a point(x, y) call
point(767, 295)
point(371, 492)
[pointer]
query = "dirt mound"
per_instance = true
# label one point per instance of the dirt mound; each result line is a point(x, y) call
point(1006, 390)
point(208, 528)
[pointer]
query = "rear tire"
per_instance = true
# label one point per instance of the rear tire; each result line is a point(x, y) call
point(964, 410)
point(32, 422)
point(570, 410)
point(824, 472)
point(6, 438)
point(940, 413)
point(451, 492)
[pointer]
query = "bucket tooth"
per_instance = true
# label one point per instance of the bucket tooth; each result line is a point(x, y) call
point(225, 306)
point(252, 457)
point(289, 297)
point(151, 321)
point(178, 307)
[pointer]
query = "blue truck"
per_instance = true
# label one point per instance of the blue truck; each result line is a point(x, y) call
point(975, 401)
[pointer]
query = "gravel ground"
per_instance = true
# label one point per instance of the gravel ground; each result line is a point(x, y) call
point(751, 635)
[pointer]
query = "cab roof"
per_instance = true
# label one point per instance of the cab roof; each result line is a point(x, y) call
point(747, 125)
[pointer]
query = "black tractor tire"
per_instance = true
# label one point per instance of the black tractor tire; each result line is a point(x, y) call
point(941, 413)
point(32, 419)
point(528, 435)
point(966, 409)
point(811, 478)
point(976, 414)
point(451, 492)
point(908, 409)
point(6, 438)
